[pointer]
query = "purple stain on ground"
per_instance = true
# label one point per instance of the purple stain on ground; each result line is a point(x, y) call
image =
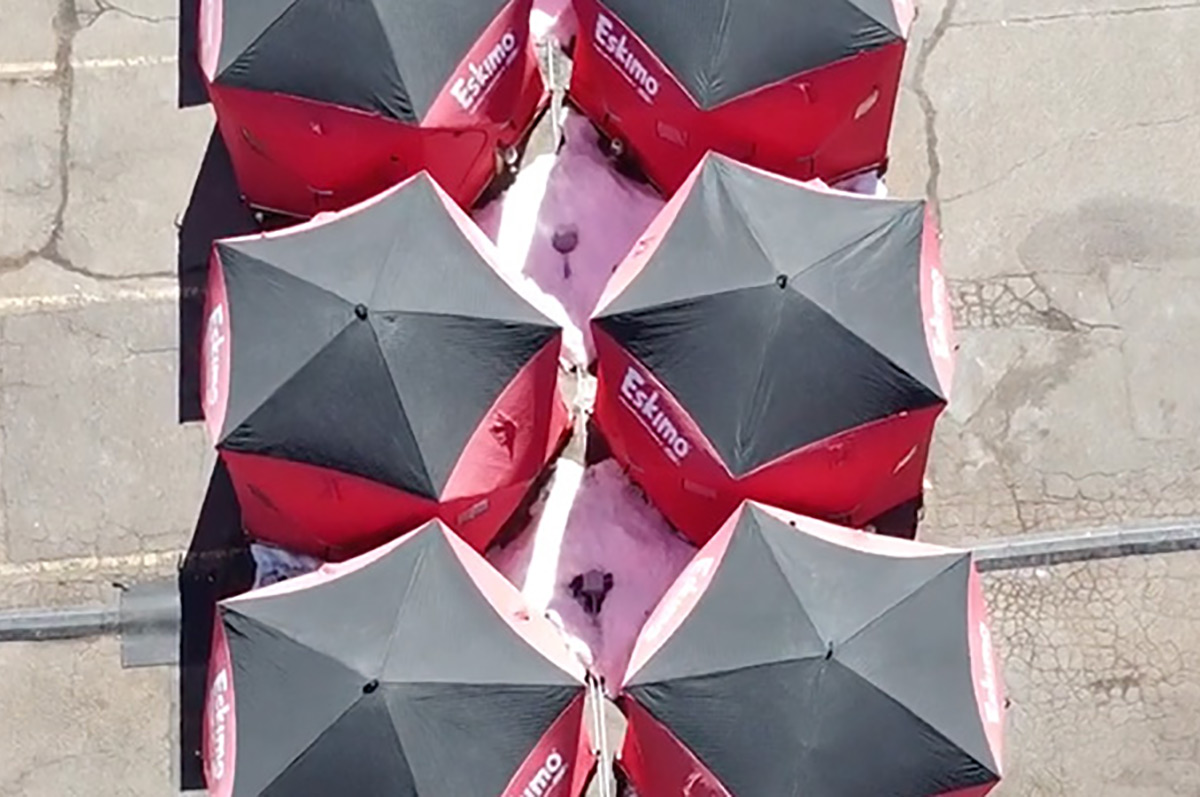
point(564, 241)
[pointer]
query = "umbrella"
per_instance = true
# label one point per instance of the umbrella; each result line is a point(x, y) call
point(324, 103)
point(806, 89)
point(796, 657)
point(778, 342)
point(370, 370)
point(414, 669)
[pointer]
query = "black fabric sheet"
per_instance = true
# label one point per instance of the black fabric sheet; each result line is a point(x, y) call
point(721, 49)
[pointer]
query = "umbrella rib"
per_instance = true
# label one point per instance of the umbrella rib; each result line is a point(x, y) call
point(750, 408)
point(284, 383)
point(387, 258)
point(262, 264)
point(400, 402)
point(257, 39)
point(892, 699)
point(299, 756)
point(903, 599)
point(874, 232)
point(418, 568)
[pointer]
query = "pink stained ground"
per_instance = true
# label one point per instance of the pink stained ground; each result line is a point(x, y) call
point(609, 527)
point(573, 192)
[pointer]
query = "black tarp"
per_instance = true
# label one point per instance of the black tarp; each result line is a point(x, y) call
point(719, 49)
point(396, 678)
point(813, 668)
point(388, 57)
point(779, 315)
point(373, 345)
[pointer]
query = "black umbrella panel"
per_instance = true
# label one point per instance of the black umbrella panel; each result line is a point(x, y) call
point(814, 660)
point(411, 670)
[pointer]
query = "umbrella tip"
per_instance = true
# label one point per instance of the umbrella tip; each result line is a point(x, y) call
point(360, 310)
point(781, 280)
point(370, 686)
point(829, 650)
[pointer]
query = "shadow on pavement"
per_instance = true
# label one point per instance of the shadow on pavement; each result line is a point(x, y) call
point(191, 79)
point(218, 564)
point(215, 210)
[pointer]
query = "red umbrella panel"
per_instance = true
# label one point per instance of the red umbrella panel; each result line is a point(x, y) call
point(805, 89)
point(791, 652)
point(776, 341)
point(413, 669)
point(370, 370)
point(324, 103)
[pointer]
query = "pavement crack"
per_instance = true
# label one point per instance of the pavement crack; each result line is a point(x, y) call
point(67, 24)
point(103, 7)
point(1014, 300)
point(1040, 19)
point(928, 109)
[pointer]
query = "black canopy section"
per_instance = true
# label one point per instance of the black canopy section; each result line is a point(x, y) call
point(812, 668)
point(396, 678)
point(721, 49)
point(385, 56)
point(779, 315)
point(372, 345)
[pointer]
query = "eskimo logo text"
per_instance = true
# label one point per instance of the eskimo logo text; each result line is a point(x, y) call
point(470, 89)
point(644, 404)
point(216, 339)
point(615, 47)
point(987, 683)
point(220, 710)
point(549, 775)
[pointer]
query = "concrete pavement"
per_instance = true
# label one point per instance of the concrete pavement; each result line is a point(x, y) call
point(1059, 137)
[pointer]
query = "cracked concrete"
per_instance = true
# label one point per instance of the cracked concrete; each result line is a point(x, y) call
point(1102, 665)
point(93, 462)
point(26, 36)
point(86, 727)
point(112, 153)
point(1071, 237)
point(1058, 138)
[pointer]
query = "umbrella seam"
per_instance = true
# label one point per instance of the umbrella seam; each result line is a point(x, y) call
point(891, 698)
point(262, 264)
point(877, 618)
point(252, 42)
point(435, 492)
point(418, 568)
point(296, 760)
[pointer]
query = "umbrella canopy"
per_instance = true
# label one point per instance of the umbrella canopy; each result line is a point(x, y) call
point(415, 669)
point(323, 103)
point(366, 372)
point(806, 89)
point(797, 657)
point(774, 341)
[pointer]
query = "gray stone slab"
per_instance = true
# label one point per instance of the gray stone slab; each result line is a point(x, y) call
point(1102, 665)
point(93, 463)
point(133, 156)
point(1036, 12)
point(149, 624)
point(77, 725)
point(126, 29)
point(1037, 154)
point(28, 33)
point(29, 150)
point(1071, 237)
